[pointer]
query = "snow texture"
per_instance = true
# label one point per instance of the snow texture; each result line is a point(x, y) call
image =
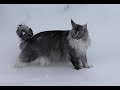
point(104, 54)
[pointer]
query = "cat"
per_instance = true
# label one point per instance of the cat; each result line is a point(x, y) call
point(55, 45)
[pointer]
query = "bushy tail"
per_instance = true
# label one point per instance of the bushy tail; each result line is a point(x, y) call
point(24, 32)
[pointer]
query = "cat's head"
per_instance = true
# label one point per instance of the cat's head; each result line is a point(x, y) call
point(78, 31)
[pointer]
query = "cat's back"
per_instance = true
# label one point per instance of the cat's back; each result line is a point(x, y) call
point(52, 33)
point(49, 37)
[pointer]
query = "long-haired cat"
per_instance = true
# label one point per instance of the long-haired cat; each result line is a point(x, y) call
point(55, 45)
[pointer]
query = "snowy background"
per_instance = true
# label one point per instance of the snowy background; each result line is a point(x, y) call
point(104, 53)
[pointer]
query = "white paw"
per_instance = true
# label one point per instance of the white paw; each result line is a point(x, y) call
point(88, 66)
point(19, 64)
point(43, 61)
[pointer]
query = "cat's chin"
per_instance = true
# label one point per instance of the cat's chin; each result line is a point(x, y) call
point(77, 38)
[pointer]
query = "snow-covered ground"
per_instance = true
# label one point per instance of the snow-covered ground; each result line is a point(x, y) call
point(104, 53)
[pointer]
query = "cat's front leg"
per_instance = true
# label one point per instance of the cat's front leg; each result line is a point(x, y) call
point(75, 60)
point(84, 61)
point(76, 63)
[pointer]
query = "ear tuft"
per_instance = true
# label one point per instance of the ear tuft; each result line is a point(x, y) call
point(73, 23)
point(85, 26)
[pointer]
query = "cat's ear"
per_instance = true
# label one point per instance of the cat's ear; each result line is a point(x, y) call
point(85, 26)
point(73, 23)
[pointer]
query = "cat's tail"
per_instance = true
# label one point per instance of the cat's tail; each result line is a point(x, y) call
point(24, 32)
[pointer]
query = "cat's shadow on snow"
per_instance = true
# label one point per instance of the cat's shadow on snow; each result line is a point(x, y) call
point(51, 65)
point(63, 65)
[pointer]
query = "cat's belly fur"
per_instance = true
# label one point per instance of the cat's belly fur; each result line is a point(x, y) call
point(56, 56)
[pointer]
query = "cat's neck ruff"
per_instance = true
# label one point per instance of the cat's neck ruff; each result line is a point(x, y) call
point(79, 45)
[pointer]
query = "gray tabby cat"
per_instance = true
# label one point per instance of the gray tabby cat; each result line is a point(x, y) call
point(55, 46)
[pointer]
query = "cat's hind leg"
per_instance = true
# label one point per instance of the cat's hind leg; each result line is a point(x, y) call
point(25, 58)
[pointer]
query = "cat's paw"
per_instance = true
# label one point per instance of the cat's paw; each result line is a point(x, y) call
point(44, 61)
point(88, 66)
point(78, 67)
point(19, 65)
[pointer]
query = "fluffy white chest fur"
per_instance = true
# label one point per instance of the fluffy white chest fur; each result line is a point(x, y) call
point(79, 45)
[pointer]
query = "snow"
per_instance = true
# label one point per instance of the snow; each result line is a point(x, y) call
point(104, 54)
